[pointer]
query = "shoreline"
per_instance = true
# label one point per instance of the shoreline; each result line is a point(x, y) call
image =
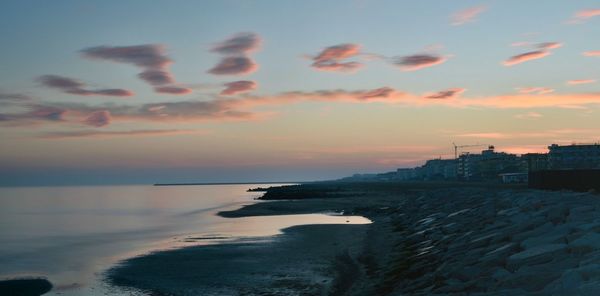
point(424, 239)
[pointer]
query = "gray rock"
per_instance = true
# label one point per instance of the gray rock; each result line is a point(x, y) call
point(586, 243)
point(536, 255)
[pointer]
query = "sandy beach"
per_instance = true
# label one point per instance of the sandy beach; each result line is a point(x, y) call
point(425, 239)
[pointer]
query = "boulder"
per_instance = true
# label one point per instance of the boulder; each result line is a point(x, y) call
point(536, 255)
point(586, 243)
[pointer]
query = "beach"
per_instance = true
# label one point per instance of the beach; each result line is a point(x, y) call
point(425, 239)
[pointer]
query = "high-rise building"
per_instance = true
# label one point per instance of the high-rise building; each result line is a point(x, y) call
point(575, 156)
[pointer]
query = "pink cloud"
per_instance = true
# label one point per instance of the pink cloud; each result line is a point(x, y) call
point(535, 90)
point(446, 94)
point(543, 50)
point(234, 66)
point(74, 87)
point(173, 90)
point(593, 53)
point(235, 51)
point(418, 61)
point(332, 58)
point(581, 81)
point(549, 45)
point(467, 15)
point(110, 134)
point(236, 87)
point(98, 118)
point(238, 44)
point(586, 14)
point(524, 57)
point(156, 77)
point(144, 56)
point(529, 115)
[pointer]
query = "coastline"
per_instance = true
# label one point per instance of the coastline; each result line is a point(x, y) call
point(424, 239)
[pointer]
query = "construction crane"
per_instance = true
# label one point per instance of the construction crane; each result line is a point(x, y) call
point(465, 146)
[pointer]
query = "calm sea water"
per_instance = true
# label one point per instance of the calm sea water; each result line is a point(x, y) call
point(72, 234)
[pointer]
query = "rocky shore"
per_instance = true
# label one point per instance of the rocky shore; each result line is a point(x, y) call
point(425, 239)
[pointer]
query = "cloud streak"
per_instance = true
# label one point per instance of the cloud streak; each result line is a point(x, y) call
point(466, 16)
point(238, 44)
point(535, 90)
point(13, 97)
point(111, 134)
point(581, 81)
point(446, 94)
point(75, 87)
point(98, 118)
point(592, 53)
point(584, 15)
point(237, 87)
point(543, 50)
point(418, 61)
point(173, 90)
point(244, 107)
point(333, 58)
point(524, 57)
point(234, 66)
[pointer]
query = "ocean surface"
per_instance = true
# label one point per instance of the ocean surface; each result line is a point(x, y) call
point(71, 235)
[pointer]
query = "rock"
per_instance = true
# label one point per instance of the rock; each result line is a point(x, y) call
point(536, 255)
point(583, 280)
point(25, 287)
point(549, 238)
point(498, 255)
point(557, 214)
point(501, 274)
point(586, 243)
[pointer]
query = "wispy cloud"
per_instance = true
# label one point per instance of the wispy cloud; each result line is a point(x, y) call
point(14, 97)
point(592, 53)
point(584, 15)
point(174, 90)
point(581, 81)
point(467, 15)
point(535, 90)
point(110, 134)
point(150, 57)
point(237, 87)
point(529, 115)
point(524, 57)
point(98, 118)
point(543, 50)
point(446, 94)
point(418, 61)
point(244, 106)
point(75, 87)
point(334, 58)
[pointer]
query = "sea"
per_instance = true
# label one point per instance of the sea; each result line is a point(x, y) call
point(73, 235)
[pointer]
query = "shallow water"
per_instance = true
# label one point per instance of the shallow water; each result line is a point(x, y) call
point(72, 234)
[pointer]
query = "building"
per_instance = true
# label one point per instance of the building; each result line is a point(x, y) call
point(439, 169)
point(468, 167)
point(575, 156)
point(535, 161)
point(488, 165)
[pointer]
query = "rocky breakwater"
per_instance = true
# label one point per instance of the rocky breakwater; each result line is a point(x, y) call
point(492, 242)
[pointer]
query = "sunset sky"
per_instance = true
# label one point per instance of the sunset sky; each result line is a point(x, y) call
point(103, 92)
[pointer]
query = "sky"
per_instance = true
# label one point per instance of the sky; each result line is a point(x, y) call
point(123, 92)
